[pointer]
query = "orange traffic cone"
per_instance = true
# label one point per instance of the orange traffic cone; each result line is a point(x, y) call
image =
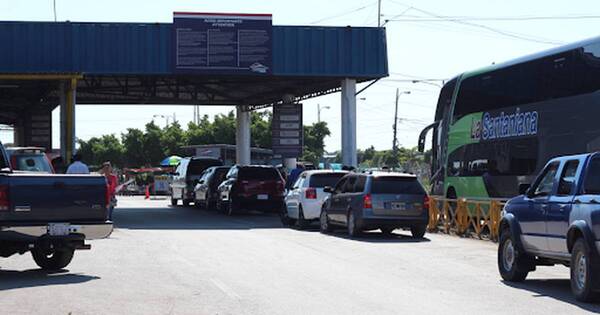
point(147, 192)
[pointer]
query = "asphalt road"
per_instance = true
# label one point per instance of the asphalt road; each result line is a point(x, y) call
point(164, 260)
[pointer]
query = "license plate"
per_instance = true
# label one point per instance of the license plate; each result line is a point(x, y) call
point(398, 206)
point(59, 229)
point(262, 197)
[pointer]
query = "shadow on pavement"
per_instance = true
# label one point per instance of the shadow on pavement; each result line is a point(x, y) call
point(559, 289)
point(173, 218)
point(378, 237)
point(12, 279)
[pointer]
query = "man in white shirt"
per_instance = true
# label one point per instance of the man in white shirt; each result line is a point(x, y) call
point(78, 167)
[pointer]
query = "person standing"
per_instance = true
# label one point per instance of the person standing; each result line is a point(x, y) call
point(112, 182)
point(59, 165)
point(78, 167)
point(294, 174)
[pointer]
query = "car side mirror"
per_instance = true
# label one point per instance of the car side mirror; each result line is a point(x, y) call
point(524, 188)
point(328, 189)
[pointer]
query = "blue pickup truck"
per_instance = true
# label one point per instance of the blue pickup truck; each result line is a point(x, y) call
point(556, 220)
point(50, 215)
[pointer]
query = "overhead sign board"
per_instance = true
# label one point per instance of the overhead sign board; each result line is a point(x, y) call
point(287, 132)
point(222, 43)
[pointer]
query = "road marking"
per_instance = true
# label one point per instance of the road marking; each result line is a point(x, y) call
point(225, 288)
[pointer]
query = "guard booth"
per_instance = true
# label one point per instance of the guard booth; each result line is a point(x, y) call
point(199, 59)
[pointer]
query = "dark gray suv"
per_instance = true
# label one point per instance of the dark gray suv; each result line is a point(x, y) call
point(384, 201)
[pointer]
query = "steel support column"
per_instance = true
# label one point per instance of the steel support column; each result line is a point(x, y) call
point(349, 122)
point(68, 96)
point(242, 136)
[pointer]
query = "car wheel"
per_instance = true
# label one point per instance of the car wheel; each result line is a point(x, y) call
point(173, 201)
point(285, 218)
point(512, 264)
point(54, 259)
point(301, 223)
point(186, 203)
point(387, 231)
point(583, 274)
point(324, 225)
point(418, 231)
point(352, 225)
point(198, 204)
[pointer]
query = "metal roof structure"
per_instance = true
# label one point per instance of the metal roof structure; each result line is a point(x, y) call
point(131, 63)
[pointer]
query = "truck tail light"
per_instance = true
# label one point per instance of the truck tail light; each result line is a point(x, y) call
point(367, 202)
point(4, 199)
point(311, 193)
point(426, 202)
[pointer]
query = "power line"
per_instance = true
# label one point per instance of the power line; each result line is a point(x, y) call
point(482, 26)
point(415, 18)
point(345, 13)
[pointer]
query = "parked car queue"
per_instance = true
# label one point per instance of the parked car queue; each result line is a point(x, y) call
point(353, 201)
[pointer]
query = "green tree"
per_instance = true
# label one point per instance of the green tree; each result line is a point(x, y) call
point(224, 128)
point(97, 150)
point(201, 133)
point(133, 146)
point(260, 129)
point(172, 139)
point(314, 141)
point(153, 152)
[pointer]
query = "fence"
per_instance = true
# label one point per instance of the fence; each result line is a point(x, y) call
point(473, 218)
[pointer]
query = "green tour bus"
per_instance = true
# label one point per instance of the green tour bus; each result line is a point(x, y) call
point(495, 128)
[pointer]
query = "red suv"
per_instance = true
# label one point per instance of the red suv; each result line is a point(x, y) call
point(251, 187)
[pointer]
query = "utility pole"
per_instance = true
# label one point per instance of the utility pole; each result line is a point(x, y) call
point(54, 7)
point(319, 108)
point(395, 141)
point(379, 13)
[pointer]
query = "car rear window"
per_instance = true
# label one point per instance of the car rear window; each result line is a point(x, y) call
point(32, 163)
point(396, 185)
point(259, 173)
point(322, 180)
point(196, 167)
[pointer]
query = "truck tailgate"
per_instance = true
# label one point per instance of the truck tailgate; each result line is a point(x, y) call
point(55, 198)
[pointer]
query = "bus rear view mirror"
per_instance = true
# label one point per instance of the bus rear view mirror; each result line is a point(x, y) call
point(523, 188)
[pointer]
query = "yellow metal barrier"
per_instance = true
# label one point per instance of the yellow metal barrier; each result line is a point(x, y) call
point(477, 218)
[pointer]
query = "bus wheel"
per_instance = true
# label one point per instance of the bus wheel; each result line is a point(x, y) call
point(451, 194)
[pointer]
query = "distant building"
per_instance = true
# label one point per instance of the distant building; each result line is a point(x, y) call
point(226, 152)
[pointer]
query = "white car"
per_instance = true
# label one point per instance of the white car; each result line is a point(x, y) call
point(305, 199)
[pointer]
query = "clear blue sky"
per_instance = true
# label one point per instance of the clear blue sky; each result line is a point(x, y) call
point(420, 49)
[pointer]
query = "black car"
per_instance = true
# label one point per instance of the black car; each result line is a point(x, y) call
point(186, 177)
point(205, 192)
point(384, 201)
